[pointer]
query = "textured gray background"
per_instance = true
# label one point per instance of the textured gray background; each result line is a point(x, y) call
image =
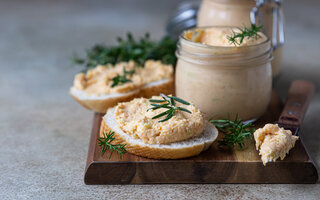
point(44, 134)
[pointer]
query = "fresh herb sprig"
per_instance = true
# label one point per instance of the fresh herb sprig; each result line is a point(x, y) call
point(167, 102)
point(237, 37)
point(121, 79)
point(106, 143)
point(130, 49)
point(129, 72)
point(235, 132)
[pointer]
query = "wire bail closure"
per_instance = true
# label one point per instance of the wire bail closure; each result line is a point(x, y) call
point(277, 38)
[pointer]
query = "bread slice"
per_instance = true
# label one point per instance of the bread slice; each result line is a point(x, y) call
point(183, 149)
point(101, 103)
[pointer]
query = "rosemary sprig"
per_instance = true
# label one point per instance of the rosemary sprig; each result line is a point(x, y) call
point(129, 72)
point(237, 37)
point(130, 49)
point(167, 102)
point(235, 132)
point(105, 143)
point(121, 79)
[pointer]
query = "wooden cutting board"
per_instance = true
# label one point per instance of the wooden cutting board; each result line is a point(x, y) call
point(211, 166)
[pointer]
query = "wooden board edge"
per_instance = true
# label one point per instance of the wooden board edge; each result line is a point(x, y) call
point(311, 161)
point(199, 172)
point(92, 143)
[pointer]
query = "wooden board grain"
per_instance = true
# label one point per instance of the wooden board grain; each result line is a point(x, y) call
point(211, 166)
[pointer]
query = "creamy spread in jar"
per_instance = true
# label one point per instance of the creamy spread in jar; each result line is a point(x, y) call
point(134, 119)
point(99, 80)
point(219, 37)
point(273, 142)
point(224, 80)
point(237, 13)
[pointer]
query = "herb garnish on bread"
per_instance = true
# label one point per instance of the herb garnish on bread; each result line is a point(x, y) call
point(183, 135)
point(104, 86)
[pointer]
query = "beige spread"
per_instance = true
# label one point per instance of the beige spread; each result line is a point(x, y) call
point(98, 81)
point(134, 119)
point(219, 37)
point(237, 13)
point(224, 80)
point(273, 142)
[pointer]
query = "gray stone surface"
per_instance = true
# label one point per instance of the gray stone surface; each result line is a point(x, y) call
point(44, 134)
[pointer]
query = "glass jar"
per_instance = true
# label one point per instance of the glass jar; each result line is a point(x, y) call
point(225, 81)
point(237, 13)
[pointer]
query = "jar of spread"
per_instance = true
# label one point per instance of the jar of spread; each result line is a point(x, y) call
point(224, 80)
point(240, 13)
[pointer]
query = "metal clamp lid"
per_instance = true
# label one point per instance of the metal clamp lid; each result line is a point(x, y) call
point(184, 17)
point(277, 20)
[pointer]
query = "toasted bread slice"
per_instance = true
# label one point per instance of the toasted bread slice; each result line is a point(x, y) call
point(183, 149)
point(101, 103)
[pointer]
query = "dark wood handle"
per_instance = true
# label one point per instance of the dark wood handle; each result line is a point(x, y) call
point(297, 102)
